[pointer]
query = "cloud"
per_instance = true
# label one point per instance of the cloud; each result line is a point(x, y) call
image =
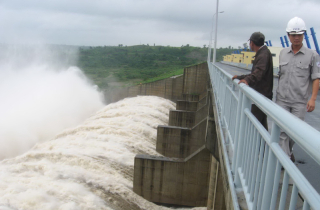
point(163, 22)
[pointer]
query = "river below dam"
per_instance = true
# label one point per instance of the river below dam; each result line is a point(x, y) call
point(89, 166)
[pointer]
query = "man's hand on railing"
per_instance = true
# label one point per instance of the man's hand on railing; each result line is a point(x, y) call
point(234, 77)
point(243, 81)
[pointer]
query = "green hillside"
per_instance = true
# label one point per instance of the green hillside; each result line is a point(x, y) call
point(122, 65)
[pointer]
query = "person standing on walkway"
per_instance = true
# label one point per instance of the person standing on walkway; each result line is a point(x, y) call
point(261, 76)
point(299, 73)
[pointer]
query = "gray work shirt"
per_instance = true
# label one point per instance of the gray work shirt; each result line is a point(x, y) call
point(296, 73)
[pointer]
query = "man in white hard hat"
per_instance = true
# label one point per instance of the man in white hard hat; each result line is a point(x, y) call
point(261, 76)
point(299, 73)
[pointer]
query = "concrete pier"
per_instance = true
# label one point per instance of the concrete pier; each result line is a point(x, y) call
point(180, 142)
point(173, 181)
point(186, 118)
point(190, 172)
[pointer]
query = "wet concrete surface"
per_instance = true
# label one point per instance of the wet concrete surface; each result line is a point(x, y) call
point(309, 168)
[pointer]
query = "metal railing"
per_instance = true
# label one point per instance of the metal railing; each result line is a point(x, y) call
point(257, 157)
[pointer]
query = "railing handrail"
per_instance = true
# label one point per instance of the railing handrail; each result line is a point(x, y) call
point(260, 185)
point(307, 137)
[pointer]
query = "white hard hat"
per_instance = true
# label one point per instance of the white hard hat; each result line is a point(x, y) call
point(296, 26)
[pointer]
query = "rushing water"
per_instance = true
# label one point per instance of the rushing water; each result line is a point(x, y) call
point(41, 95)
point(89, 166)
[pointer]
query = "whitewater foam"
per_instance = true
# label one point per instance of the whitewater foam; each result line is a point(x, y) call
point(40, 96)
point(89, 166)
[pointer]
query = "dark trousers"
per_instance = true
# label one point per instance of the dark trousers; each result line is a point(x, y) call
point(261, 116)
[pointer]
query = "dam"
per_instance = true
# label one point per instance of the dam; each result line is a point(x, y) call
point(186, 142)
point(215, 153)
point(169, 144)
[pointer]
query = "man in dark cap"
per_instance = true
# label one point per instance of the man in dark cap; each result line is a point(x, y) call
point(261, 76)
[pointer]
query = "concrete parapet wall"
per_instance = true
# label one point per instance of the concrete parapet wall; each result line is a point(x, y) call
point(195, 79)
point(203, 95)
point(182, 118)
point(180, 142)
point(187, 105)
point(170, 88)
point(192, 105)
point(173, 181)
point(163, 88)
point(187, 119)
point(188, 86)
point(216, 199)
point(190, 97)
point(202, 113)
point(203, 100)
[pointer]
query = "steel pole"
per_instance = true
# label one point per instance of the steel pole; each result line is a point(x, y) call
point(215, 37)
point(210, 43)
point(211, 33)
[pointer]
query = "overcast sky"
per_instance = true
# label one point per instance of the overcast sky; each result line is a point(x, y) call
point(160, 22)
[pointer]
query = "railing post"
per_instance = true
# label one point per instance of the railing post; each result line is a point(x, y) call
point(236, 136)
point(284, 191)
point(223, 102)
point(246, 104)
point(276, 186)
point(269, 181)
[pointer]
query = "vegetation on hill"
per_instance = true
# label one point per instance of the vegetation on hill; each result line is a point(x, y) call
point(142, 63)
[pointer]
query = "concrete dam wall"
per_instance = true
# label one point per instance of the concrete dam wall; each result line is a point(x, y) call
point(191, 171)
point(174, 88)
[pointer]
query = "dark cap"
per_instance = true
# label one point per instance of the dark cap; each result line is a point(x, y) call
point(257, 38)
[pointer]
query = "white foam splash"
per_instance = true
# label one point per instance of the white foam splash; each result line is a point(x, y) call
point(89, 166)
point(38, 101)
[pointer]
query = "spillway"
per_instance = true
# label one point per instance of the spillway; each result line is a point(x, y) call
point(89, 166)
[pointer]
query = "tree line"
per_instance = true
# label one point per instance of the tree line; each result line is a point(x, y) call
point(140, 61)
